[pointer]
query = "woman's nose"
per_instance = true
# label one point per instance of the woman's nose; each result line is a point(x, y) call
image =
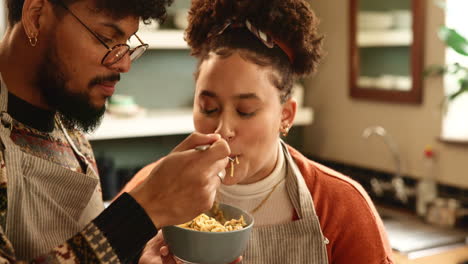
point(225, 129)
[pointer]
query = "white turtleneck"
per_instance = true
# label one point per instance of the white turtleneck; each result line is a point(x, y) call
point(276, 210)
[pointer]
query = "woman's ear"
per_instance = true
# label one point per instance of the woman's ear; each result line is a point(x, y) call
point(288, 113)
point(32, 11)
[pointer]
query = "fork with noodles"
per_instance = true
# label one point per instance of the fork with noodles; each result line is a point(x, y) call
point(231, 160)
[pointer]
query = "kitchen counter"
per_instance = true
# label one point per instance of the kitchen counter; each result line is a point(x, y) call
point(416, 242)
point(449, 256)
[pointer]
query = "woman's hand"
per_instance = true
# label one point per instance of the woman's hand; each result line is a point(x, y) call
point(165, 252)
point(157, 252)
point(152, 252)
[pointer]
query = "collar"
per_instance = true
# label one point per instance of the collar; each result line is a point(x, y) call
point(30, 115)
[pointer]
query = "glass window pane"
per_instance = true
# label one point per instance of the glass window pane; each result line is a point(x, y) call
point(454, 124)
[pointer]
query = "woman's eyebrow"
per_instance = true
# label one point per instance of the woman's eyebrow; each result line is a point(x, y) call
point(208, 94)
point(237, 96)
point(247, 96)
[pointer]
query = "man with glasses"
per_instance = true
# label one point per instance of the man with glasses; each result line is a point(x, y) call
point(60, 60)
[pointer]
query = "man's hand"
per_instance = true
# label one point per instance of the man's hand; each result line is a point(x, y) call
point(184, 184)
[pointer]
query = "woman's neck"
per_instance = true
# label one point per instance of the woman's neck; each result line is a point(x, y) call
point(266, 170)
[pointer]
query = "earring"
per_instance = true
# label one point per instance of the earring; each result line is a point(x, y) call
point(33, 40)
point(284, 130)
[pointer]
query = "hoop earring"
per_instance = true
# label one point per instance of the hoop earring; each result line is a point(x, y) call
point(284, 130)
point(33, 41)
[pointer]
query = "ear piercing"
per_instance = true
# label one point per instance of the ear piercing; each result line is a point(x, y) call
point(284, 130)
point(33, 40)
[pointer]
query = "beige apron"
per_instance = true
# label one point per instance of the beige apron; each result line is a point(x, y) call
point(47, 203)
point(300, 241)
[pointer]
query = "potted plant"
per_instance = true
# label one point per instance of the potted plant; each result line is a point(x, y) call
point(459, 44)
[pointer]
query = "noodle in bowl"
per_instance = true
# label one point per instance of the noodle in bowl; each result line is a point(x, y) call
point(215, 245)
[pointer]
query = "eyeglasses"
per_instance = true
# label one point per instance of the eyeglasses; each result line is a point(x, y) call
point(117, 52)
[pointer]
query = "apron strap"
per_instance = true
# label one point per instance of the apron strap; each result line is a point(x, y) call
point(3, 96)
point(297, 188)
point(6, 121)
point(304, 236)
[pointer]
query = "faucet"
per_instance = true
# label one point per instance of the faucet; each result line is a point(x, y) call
point(397, 182)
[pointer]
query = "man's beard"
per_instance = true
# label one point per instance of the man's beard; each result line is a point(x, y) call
point(74, 109)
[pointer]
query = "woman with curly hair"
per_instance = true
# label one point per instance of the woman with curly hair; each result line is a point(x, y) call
point(250, 53)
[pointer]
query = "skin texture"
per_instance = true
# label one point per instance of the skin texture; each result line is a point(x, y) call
point(75, 50)
point(237, 99)
point(68, 57)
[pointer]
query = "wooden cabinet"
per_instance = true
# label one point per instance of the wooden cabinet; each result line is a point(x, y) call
point(386, 50)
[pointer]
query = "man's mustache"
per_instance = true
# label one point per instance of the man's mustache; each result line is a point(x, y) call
point(102, 79)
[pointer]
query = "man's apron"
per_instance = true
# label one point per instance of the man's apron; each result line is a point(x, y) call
point(295, 242)
point(47, 203)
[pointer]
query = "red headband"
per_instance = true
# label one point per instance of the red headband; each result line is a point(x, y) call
point(262, 36)
point(286, 49)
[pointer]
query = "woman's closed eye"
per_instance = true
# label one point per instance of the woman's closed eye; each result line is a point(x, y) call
point(207, 111)
point(247, 110)
point(246, 113)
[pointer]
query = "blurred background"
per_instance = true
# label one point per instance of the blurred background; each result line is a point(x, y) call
point(372, 112)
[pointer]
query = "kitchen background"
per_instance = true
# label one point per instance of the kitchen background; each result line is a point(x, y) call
point(163, 80)
point(340, 119)
point(331, 122)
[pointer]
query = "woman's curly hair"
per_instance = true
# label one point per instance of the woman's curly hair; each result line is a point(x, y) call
point(291, 21)
point(144, 9)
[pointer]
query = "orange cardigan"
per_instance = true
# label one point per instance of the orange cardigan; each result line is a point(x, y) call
point(347, 215)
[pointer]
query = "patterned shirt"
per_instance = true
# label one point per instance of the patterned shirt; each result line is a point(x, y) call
point(117, 235)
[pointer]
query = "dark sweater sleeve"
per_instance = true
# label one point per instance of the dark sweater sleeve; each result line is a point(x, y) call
point(117, 235)
point(126, 226)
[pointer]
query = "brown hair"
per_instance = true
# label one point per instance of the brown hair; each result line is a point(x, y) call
point(290, 21)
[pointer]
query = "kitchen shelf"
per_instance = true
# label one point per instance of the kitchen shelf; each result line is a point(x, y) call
point(385, 38)
point(164, 39)
point(163, 123)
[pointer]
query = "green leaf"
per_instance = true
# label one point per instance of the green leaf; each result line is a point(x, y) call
point(463, 83)
point(454, 40)
point(435, 70)
point(456, 68)
point(463, 89)
point(452, 97)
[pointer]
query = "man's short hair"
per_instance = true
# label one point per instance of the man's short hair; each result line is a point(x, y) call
point(144, 9)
